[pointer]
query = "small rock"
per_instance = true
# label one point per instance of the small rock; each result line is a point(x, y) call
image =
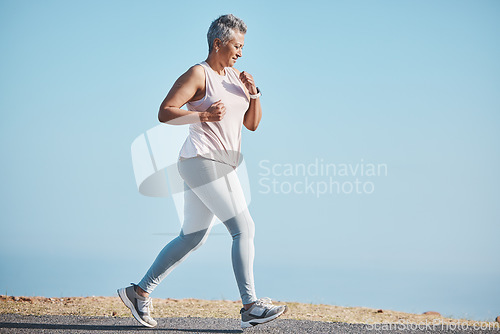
point(380, 311)
point(432, 313)
point(16, 299)
point(114, 314)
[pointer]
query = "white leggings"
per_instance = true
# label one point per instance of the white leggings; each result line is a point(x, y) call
point(211, 187)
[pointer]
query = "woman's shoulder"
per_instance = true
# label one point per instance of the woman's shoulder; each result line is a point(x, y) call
point(235, 70)
point(194, 73)
point(196, 70)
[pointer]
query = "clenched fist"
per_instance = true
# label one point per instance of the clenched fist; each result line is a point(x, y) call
point(247, 80)
point(214, 113)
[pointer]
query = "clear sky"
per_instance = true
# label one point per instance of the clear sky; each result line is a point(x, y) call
point(411, 85)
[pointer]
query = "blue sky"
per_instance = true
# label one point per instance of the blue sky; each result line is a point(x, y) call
point(409, 84)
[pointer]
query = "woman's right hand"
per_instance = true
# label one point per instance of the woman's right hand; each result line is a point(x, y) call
point(214, 113)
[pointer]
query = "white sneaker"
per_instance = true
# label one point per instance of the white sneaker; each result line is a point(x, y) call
point(139, 305)
point(261, 312)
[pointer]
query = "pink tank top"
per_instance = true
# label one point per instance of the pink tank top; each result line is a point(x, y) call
point(221, 140)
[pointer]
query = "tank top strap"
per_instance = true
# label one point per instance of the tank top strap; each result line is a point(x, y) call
point(231, 73)
point(211, 79)
point(235, 79)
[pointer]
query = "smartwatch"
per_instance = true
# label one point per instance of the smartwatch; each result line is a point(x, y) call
point(256, 96)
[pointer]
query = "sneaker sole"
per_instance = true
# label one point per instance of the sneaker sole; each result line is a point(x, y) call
point(255, 322)
point(123, 296)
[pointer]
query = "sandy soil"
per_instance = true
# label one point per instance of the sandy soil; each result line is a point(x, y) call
point(162, 308)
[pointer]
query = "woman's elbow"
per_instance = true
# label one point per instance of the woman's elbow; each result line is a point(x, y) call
point(162, 115)
point(252, 127)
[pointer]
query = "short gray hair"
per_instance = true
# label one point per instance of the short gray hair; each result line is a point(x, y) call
point(222, 28)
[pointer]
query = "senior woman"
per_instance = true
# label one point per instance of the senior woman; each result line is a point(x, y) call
point(219, 99)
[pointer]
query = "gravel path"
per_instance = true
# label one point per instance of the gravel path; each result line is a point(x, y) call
point(15, 323)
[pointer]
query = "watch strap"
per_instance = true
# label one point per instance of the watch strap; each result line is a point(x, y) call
point(256, 96)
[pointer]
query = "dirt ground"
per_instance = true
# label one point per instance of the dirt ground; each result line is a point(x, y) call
point(162, 308)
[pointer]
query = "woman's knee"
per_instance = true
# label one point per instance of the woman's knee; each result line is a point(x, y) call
point(194, 240)
point(241, 226)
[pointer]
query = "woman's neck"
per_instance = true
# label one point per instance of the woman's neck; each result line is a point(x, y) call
point(215, 64)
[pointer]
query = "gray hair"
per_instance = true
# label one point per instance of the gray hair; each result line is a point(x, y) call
point(222, 28)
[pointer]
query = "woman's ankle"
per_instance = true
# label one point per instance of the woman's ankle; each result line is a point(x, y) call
point(247, 306)
point(141, 292)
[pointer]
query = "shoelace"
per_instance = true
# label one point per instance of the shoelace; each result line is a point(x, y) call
point(265, 302)
point(149, 305)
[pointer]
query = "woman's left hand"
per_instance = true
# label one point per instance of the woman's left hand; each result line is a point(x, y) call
point(247, 80)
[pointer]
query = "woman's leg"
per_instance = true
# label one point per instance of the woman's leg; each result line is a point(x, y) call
point(195, 229)
point(217, 186)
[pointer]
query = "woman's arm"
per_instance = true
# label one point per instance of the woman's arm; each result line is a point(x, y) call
point(253, 115)
point(183, 90)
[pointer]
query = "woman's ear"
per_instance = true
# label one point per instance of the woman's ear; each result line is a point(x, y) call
point(217, 44)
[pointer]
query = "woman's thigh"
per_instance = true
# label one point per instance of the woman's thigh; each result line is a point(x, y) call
point(197, 216)
point(216, 184)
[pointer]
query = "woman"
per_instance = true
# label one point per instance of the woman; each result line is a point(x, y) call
point(220, 100)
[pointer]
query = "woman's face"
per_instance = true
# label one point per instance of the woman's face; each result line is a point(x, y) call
point(231, 51)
